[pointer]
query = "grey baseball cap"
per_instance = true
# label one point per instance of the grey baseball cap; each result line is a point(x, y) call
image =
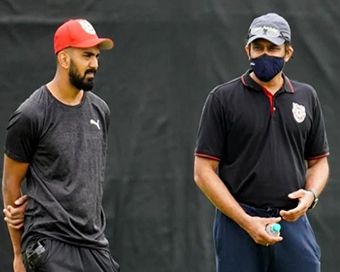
point(271, 27)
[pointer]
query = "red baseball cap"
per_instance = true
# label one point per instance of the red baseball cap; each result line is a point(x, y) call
point(78, 33)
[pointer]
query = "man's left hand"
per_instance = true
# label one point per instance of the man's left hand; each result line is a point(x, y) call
point(305, 198)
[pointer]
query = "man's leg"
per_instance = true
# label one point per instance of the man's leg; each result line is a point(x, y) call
point(236, 250)
point(299, 250)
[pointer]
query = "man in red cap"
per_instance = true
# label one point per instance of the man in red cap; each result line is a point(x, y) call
point(57, 141)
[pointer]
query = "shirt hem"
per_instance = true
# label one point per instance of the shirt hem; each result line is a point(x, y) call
point(318, 157)
point(207, 156)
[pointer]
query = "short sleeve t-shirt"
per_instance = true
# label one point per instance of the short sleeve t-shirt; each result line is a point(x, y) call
point(66, 148)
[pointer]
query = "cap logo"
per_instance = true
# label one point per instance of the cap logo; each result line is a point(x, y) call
point(269, 31)
point(299, 112)
point(87, 27)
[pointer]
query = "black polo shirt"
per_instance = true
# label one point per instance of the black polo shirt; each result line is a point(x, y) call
point(261, 140)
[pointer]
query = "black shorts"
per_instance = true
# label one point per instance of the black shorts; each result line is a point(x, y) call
point(55, 256)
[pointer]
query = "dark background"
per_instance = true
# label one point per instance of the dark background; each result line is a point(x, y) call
point(168, 56)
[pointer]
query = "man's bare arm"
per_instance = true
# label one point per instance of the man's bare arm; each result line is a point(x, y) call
point(317, 175)
point(216, 191)
point(13, 174)
point(316, 180)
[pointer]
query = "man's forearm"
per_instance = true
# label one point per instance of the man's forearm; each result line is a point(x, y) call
point(317, 175)
point(218, 194)
point(9, 196)
point(16, 240)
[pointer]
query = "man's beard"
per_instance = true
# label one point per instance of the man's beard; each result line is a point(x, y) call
point(78, 81)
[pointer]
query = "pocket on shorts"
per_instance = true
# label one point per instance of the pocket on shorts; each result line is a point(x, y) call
point(37, 254)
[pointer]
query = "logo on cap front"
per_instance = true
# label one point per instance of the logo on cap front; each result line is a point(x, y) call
point(87, 27)
point(299, 112)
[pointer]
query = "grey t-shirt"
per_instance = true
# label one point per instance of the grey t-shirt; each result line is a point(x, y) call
point(66, 147)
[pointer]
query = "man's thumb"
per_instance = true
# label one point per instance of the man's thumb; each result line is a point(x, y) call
point(21, 200)
point(295, 194)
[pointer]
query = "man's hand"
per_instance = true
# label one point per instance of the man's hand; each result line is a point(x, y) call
point(256, 229)
point(18, 265)
point(14, 216)
point(305, 198)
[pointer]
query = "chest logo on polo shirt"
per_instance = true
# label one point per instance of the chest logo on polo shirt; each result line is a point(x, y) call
point(299, 112)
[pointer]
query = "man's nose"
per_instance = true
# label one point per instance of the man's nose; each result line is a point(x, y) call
point(94, 63)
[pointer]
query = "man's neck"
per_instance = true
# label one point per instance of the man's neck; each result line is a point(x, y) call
point(63, 91)
point(273, 85)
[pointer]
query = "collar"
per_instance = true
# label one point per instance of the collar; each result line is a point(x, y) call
point(249, 82)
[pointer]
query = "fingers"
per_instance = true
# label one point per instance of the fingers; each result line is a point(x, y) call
point(13, 221)
point(14, 224)
point(14, 216)
point(275, 220)
point(269, 240)
point(258, 233)
point(294, 214)
point(8, 211)
point(21, 200)
point(15, 212)
point(304, 203)
point(296, 194)
point(290, 216)
point(11, 212)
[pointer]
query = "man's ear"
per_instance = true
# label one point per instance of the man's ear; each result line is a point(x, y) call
point(64, 59)
point(289, 53)
point(247, 49)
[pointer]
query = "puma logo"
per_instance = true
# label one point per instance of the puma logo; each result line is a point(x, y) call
point(92, 122)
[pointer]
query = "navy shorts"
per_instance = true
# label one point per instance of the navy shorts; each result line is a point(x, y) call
point(237, 251)
point(55, 256)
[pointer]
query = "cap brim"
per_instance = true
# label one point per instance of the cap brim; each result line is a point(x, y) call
point(274, 40)
point(102, 43)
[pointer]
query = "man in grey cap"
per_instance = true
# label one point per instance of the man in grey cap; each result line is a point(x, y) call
point(261, 159)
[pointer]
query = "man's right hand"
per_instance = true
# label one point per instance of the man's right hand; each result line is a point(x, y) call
point(18, 265)
point(14, 216)
point(256, 228)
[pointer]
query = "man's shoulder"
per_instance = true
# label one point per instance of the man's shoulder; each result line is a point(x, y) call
point(228, 87)
point(31, 111)
point(34, 104)
point(97, 101)
point(299, 86)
